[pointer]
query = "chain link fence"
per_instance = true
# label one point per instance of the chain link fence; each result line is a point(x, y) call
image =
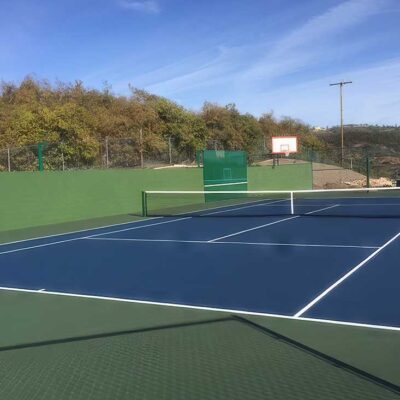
point(112, 153)
point(358, 168)
point(19, 158)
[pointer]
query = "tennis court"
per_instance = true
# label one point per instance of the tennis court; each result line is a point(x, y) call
point(332, 258)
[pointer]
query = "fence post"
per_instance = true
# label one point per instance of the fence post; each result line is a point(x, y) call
point(107, 159)
point(312, 155)
point(199, 158)
point(144, 204)
point(62, 160)
point(9, 158)
point(368, 171)
point(40, 156)
point(141, 148)
point(170, 150)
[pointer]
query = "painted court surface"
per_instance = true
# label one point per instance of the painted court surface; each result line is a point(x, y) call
point(331, 268)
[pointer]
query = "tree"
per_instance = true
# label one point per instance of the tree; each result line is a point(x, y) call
point(269, 128)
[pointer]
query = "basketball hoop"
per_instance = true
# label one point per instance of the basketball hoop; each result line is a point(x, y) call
point(285, 149)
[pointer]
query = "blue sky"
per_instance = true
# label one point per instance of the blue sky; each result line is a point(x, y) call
point(263, 55)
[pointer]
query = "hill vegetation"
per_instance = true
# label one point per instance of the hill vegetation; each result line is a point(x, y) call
point(84, 124)
point(371, 139)
point(81, 119)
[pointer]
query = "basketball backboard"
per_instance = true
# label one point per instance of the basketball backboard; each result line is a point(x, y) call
point(284, 145)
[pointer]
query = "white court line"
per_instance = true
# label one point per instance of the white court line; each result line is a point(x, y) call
point(137, 227)
point(352, 205)
point(339, 246)
point(336, 205)
point(300, 245)
point(108, 226)
point(269, 224)
point(203, 308)
point(253, 229)
point(80, 231)
point(85, 237)
point(253, 205)
point(367, 190)
point(343, 205)
point(39, 245)
point(226, 184)
point(219, 207)
point(344, 277)
point(105, 227)
point(323, 209)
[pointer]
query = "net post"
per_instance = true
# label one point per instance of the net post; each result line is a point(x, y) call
point(144, 204)
point(291, 203)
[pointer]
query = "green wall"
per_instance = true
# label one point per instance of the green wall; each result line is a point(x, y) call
point(282, 177)
point(31, 199)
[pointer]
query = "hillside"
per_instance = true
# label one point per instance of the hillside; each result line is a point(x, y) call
point(374, 140)
point(381, 144)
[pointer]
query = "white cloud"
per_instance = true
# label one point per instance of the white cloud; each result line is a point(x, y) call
point(374, 97)
point(242, 68)
point(332, 22)
point(219, 67)
point(314, 40)
point(149, 6)
point(248, 75)
point(198, 70)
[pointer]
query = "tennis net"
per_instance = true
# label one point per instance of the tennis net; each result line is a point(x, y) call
point(369, 203)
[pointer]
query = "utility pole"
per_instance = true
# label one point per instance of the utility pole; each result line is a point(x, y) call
point(341, 84)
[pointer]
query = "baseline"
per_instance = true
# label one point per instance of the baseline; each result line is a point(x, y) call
point(188, 306)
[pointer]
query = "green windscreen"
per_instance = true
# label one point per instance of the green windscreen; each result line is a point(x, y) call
point(224, 171)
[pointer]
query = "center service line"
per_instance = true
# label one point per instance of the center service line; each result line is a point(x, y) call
point(250, 206)
point(269, 224)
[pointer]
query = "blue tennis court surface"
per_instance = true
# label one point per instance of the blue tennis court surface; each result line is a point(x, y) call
point(333, 268)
